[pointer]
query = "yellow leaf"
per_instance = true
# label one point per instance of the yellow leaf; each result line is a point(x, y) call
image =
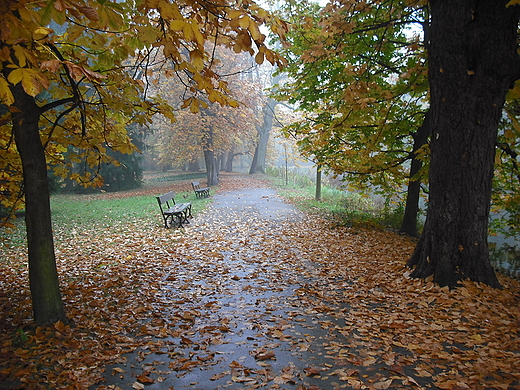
point(235, 14)
point(188, 32)
point(259, 58)
point(168, 10)
point(15, 76)
point(198, 36)
point(33, 82)
point(513, 2)
point(196, 60)
point(42, 32)
point(255, 32)
point(20, 56)
point(244, 22)
point(194, 106)
point(177, 25)
point(6, 97)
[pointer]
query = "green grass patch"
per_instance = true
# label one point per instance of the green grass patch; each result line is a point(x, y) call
point(179, 176)
point(346, 208)
point(76, 216)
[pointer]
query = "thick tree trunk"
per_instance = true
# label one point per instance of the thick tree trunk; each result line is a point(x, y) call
point(409, 223)
point(264, 131)
point(43, 275)
point(229, 161)
point(211, 167)
point(254, 163)
point(472, 62)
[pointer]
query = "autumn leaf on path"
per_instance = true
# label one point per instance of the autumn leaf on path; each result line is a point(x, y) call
point(312, 305)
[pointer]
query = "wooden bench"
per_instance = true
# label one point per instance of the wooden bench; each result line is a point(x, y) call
point(174, 214)
point(200, 192)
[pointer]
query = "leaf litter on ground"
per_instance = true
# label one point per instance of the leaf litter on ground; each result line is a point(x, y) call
point(240, 301)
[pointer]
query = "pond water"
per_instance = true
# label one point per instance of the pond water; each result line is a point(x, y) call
point(505, 254)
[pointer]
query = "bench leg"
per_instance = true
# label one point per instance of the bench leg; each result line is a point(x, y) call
point(183, 216)
point(178, 220)
point(166, 223)
point(172, 220)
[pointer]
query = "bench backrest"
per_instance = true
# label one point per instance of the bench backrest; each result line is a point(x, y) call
point(195, 185)
point(166, 198)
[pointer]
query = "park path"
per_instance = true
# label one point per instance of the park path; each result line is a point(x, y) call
point(252, 294)
point(241, 321)
point(255, 294)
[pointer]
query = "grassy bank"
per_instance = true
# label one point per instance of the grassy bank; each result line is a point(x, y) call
point(78, 217)
point(346, 208)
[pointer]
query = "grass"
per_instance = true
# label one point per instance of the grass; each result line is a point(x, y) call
point(344, 207)
point(76, 216)
point(176, 177)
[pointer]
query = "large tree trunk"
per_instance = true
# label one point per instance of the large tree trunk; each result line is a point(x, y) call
point(472, 62)
point(210, 158)
point(43, 275)
point(409, 223)
point(211, 167)
point(264, 131)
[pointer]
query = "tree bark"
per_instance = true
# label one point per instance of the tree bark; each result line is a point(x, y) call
point(211, 167)
point(210, 158)
point(318, 183)
point(43, 274)
point(473, 61)
point(409, 223)
point(264, 131)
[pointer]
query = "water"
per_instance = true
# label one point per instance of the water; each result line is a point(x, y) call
point(505, 254)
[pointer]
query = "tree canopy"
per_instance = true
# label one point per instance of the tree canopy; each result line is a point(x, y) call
point(359, 73)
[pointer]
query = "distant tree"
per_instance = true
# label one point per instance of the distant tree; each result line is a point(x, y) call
point(210, 129)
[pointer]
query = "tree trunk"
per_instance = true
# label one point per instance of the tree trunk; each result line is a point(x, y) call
point(209, 158)
point(43, 275)
point(221, 161)
point(254, 163)
point(211, 167)
point(318, 183)
point(409, 223)
point(229, 161)
point(258, 164)
point(473, 61)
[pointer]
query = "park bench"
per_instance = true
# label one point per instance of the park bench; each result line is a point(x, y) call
point(174, 214)
point(200, 192)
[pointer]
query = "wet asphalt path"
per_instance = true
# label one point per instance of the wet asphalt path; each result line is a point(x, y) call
point(239, 320)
